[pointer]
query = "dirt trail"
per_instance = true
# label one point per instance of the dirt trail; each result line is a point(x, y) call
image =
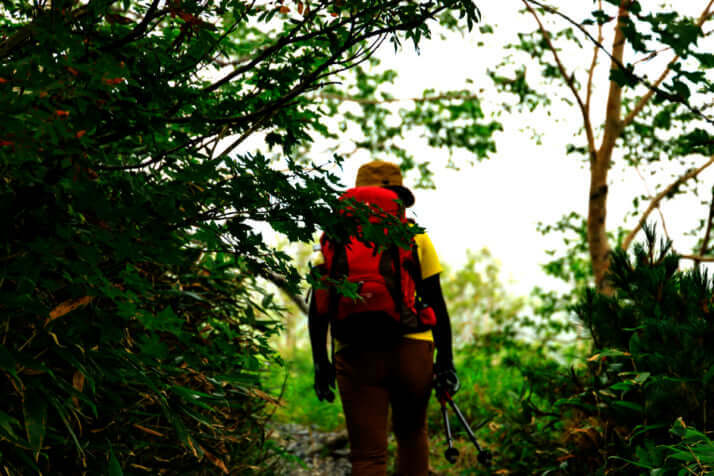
point(311, 452)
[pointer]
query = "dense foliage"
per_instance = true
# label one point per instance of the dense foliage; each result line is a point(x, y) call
point(640, 401)
point(132, 326)
point(650, 382)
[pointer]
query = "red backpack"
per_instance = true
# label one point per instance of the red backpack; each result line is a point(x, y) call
point(388, 304)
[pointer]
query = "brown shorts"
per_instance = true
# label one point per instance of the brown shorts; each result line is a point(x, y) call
point(370, 381)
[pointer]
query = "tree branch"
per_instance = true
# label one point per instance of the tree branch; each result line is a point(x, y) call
point(282, 283)
point(440, 97)
point(670, 97)
point(593, 64)
point(283, 41)
point(138, 30)
point(660, 196)
point(649, 195)
point(698, 258)
point(569, 80)
point(613, 122)
point(647, 97)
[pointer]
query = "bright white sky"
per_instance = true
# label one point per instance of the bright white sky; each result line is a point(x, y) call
point(497, 203)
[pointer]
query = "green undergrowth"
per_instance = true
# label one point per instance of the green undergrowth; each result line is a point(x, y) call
point(502, 385)
point(293, 383)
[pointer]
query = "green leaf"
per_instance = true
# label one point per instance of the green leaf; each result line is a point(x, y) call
point(7, 362)
point(62, 412)
point(114, 466)
point(7, 423)
point(708, 375)
point(640, 429)
point(34, 410)
point(192, 396)
point(622, 77)
point(706, 59)
point(681, 89)
point(628, 405)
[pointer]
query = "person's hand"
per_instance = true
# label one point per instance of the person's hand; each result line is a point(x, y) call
point(446, 379)
point(325, 381)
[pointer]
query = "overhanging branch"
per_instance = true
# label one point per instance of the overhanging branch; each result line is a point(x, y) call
point(440, 97)
point(282, 283)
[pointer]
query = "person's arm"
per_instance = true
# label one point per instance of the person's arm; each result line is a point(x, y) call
point(444, 367)
point(324, 370)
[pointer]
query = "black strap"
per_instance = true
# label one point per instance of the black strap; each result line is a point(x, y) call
point(408, 319)
point(388, 268)
point(338, 270)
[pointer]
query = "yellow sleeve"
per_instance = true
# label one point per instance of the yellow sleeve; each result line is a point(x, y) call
point(428, 259)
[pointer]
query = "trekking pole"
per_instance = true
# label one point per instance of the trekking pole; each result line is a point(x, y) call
point(451, 454)
point(484, 456)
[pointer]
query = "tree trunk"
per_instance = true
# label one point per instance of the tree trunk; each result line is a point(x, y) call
point(597, 214)
point(597, 207)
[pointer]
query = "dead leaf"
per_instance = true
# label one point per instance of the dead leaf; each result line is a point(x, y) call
point(193, 448)
point(78, 384)
point(67, 307)
point(138, 466)
point(149, 430)
point(213, 459)
point(266, 397)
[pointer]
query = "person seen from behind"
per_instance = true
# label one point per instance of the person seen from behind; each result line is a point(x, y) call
point(384, 341)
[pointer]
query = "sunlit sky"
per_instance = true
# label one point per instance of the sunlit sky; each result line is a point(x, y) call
point(497, 203)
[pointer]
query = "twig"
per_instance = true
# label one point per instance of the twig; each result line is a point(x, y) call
point(593, 64)
point(569, 80)
point(660, 196)
point(282, 283)
point(280, 398)
point(649, 195)
point(707, 233)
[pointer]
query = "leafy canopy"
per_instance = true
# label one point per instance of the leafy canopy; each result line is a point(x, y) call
point(133, 330)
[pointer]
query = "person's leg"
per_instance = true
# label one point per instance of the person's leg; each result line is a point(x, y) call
point(409, 396)
point(365, 401)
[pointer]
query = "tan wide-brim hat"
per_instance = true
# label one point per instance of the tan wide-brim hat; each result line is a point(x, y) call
point(379, 173)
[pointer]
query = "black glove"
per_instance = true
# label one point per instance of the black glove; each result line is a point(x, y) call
point(325, 381)
point(445, 378)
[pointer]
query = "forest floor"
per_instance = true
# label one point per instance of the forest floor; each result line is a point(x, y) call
point(306, 451)
point(309, 452)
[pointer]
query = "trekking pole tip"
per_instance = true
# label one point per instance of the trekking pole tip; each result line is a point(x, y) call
point(451, 455)
point(485, 457)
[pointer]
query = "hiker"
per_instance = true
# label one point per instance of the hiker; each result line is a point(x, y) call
point(383, 344)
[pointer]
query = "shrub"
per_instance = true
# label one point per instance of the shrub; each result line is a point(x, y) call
point(652, 364)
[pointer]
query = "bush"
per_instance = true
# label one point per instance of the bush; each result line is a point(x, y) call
point(652, 365)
